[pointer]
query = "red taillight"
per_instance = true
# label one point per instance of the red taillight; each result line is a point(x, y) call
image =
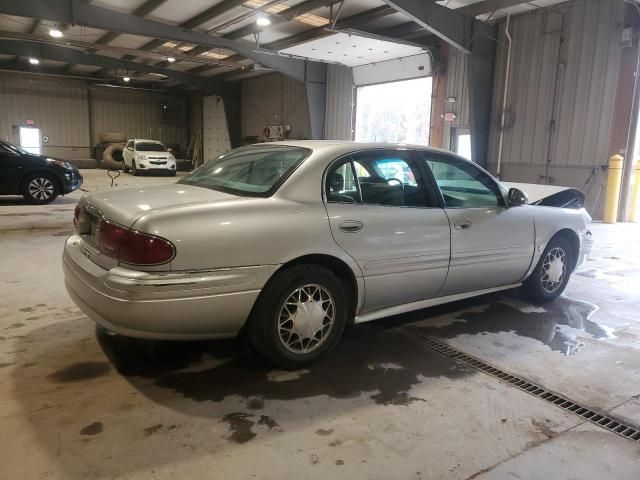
point(133, 247)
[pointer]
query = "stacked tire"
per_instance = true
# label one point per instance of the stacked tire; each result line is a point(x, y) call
point(112, 146)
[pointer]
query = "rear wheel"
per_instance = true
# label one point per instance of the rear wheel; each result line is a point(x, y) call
point(40, 188)
point(299, 316)
point(551, 275)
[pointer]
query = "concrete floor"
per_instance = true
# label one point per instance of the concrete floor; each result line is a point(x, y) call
point(77, 403)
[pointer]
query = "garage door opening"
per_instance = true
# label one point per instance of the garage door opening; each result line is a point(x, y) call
point(398, 112)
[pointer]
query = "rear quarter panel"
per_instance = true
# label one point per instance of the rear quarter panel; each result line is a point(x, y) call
point(264, 231)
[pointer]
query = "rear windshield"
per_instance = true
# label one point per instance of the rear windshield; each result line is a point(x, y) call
point(150, 147)
point(253, 171)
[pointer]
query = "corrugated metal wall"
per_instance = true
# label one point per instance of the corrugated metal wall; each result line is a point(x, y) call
point(137, 114)
point(60, 109)
point(340, 103)
point(560, 144)
point(274, 99)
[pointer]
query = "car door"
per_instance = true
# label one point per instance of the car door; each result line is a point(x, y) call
point(11, 170)
point(491, 244)
point(127, 154)
point(382, 214)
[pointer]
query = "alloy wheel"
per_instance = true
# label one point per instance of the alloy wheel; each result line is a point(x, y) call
point(41, 188)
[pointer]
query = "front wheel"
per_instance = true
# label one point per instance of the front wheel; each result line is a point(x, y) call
point(551, 275)
point(299, 316)
point(40, 188)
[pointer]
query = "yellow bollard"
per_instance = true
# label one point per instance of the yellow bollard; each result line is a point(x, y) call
point(614, 177)
point(634, 210)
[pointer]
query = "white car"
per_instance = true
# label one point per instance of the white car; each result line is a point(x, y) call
point(142, 155)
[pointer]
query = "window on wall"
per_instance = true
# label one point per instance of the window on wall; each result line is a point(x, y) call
point(398, 112)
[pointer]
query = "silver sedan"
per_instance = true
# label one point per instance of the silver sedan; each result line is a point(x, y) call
point(292, 241)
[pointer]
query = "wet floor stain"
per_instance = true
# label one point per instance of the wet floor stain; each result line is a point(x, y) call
point(255, 404)
point(323, 432)
point(152, 429)
point(267, 421)
point(339, 462)
point(92, 429)
point(15, 325)
point(80, 371)
point(557, 325)
point(360, 365)
point(240, 425)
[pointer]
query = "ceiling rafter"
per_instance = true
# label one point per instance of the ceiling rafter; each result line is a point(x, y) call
point(353, 21)
point(70, 55)
point(81, 13)
point(488, 6)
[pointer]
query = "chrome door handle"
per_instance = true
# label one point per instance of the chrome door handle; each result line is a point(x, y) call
point(463, 224)
point(351, 226)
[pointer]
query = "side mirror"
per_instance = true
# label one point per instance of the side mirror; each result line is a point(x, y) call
point(516, 197)
point(170, 150)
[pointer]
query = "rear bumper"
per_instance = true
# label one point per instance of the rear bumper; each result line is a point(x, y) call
point(169, 306)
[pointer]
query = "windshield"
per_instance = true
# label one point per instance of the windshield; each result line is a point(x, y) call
point(13, 148)
point(255, 170)
point(150, 147)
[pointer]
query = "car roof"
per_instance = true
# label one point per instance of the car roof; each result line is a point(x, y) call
point(343, 146)
point(145, 140)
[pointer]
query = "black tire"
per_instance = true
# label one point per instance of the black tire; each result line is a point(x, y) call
point(172, 173)
point(40, 188)
point(263, 329)
point(134, 170)
point(125, 169)
point(540, 288)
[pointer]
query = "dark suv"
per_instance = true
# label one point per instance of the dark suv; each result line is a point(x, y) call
point(38, 178)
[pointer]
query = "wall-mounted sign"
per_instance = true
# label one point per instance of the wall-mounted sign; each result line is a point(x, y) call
point(45, 139)
point(30, 122)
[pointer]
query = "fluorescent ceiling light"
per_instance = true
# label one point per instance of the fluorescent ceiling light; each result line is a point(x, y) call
point(126, 79)
point(263, 21)
point(55, 33)
point(171, 59)
point(34, 61)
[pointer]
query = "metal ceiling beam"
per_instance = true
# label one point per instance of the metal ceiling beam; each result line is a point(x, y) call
point(284, 16)
point(353, 21)
point(197, 20)
point(142, 11)
point(69, 55)
point(488, 6)
point(59, 72)
point(453, 27)
point(78, 12)
point(474, 38)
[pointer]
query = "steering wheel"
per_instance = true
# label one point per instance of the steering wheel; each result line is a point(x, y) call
point(395, 180)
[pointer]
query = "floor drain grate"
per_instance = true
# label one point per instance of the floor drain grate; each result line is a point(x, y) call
point(616, 426)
